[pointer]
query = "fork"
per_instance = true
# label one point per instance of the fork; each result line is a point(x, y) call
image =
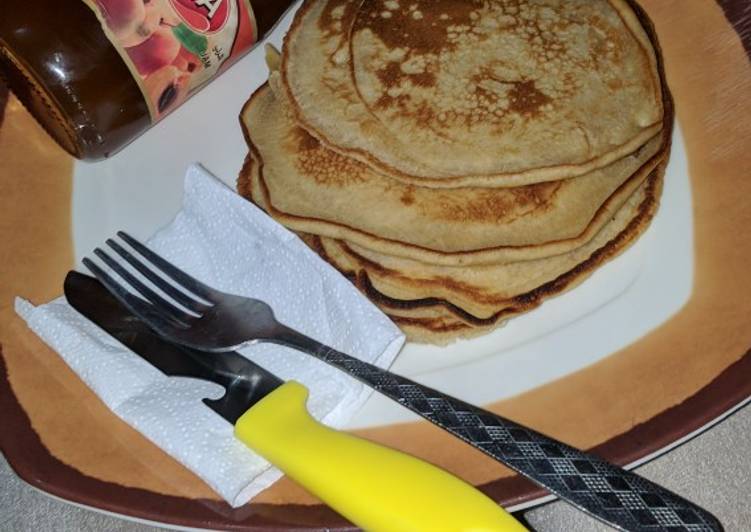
point(204, 318)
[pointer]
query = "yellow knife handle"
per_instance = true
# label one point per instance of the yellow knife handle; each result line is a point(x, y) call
point(375, 487)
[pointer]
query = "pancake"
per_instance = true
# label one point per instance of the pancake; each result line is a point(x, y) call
point(313, 189)
point(436, 331)
point(451, 93)
point(490, 154)
point(431, 324)
point(437, 322)
point(484, 296)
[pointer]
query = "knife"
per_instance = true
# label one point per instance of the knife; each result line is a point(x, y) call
point(375, 487)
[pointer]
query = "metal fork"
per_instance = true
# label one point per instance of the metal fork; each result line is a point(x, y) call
point(207, 319)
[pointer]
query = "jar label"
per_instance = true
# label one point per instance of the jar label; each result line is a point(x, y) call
point(172, 47)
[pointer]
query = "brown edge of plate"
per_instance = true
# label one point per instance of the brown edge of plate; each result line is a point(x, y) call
point(33, 462)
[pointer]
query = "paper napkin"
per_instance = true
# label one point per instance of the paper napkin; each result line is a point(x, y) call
point(227, 242)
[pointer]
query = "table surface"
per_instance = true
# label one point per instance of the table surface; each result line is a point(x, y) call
point(712, 469)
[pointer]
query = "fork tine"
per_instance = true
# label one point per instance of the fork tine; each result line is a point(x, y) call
point(178, 295)
point(189, 283)
point(158, 302)
point(136, 305)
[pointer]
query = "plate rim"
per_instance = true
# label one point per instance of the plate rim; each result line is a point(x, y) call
point(33, 463)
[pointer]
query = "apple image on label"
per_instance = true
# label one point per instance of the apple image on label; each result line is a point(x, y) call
point(157, 51)
point(161, 12)
point(127, 19)
point(123, 17)
point(167, 88)
point(187, 61)
point(134, 21)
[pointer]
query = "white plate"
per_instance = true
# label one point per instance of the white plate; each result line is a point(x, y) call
point(140, 190)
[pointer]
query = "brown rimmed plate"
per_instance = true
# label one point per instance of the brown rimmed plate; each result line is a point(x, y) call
point(678, 379)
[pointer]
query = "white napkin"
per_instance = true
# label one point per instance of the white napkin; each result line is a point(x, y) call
point(227, 242)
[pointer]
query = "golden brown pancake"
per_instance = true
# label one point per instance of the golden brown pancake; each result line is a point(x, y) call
point(313, 189)
point(450, 93)
point(435, 321)
point(432, 324)
point(437, 331)
point(406, 245)
point(482, 295)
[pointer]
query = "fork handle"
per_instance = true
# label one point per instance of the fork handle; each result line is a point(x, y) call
point(375, 487)
point(607, 492)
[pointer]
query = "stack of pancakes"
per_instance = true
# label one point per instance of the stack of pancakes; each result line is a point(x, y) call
point(461, 161)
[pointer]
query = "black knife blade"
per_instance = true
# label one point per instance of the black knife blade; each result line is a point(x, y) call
point(244, 381)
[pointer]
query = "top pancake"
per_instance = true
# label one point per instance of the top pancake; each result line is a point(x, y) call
point(448, 93)
point(312, 189)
